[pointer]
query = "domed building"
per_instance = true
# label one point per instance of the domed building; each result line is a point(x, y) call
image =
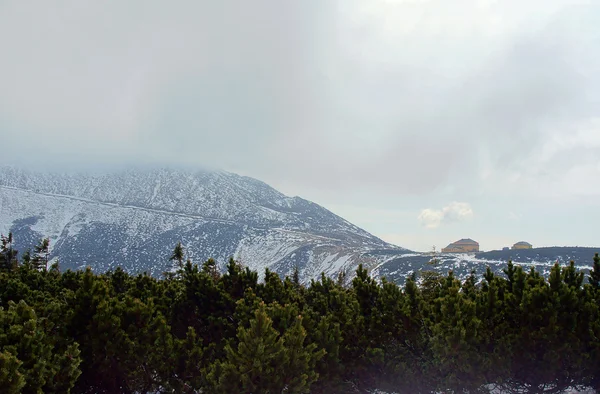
point(465, 245)
point(522, 245)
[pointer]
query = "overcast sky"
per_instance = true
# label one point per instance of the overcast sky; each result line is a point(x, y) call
point(421, 121)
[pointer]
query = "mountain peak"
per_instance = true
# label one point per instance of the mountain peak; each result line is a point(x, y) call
point(217, 213)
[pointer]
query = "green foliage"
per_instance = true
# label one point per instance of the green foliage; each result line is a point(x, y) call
point(12, 380)
point(8, 255)
point(178, 255)
point(594, 278)
point(265, 361)
point(200, 330)
point(31, 358)
point(132, 345)
point(41, 254)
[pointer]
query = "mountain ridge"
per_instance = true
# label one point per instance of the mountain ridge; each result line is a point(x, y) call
point(251, 193)
point(133, 219)
point(130, 217)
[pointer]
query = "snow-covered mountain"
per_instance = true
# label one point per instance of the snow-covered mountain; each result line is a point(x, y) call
point(134, 218)
point(398, 266)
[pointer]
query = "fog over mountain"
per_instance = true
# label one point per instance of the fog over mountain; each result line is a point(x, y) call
point(422, 122)
point(134, 219)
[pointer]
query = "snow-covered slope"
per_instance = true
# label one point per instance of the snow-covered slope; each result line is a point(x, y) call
point(134, 218)
point(397, 266)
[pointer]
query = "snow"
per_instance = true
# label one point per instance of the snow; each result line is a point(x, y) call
point(216, 214)
point(134, 218)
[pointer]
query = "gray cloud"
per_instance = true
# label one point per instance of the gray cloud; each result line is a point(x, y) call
point(334, 100)
point(207, 82)
point(315, 88)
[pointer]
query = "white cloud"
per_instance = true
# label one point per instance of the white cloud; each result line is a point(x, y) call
point(453, 212)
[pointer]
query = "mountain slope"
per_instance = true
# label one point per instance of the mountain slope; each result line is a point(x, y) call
point(397, 266)
point(134, 218)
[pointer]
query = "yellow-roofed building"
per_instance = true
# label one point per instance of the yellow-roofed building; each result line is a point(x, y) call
point(465, 245)
point(522, 245)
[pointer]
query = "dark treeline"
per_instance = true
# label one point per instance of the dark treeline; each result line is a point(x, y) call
point(200, 330)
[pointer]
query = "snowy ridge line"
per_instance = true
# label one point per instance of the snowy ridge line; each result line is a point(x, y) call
point(471, 258)
point(217, 196)
point(352, 229)
point(134, 207)
point(323, 237)
point(166, 212)
point(132, 219)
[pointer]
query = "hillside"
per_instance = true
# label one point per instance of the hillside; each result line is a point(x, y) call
point(397, 266)
point(134, 218)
